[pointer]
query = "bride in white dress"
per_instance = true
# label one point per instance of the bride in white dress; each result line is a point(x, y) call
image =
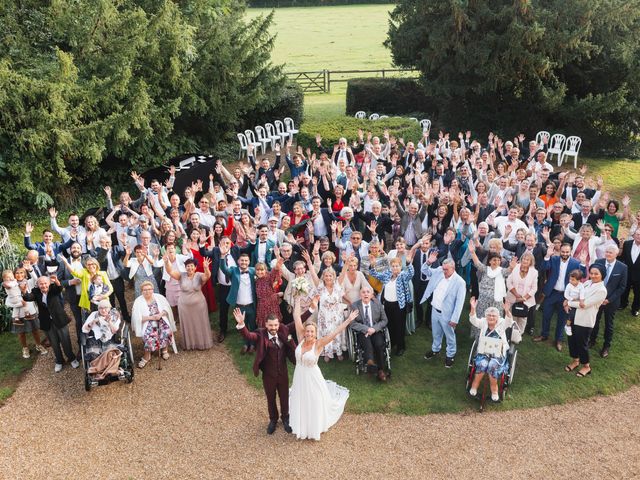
point(315, 404)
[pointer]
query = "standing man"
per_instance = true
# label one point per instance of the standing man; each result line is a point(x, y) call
point(631, 258)
point(242, 294)
point(558, 269)
point(369, 327)
point(420, 280)
point(274, 346)
point(615, 280)
point(448, 290)
point(110, 260)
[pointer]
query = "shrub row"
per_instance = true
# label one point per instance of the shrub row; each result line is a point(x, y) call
point(308, 3)
point(332, 130)
point(390, 96)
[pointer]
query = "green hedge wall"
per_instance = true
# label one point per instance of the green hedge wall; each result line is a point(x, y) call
point(390, 96)
point(332, 130)
point(289, 104)
point(309, 3)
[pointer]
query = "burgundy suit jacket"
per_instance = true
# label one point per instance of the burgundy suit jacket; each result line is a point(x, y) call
point(261, 339)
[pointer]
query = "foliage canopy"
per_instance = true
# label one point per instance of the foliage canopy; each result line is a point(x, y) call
point(568, 65)
point(94, 85)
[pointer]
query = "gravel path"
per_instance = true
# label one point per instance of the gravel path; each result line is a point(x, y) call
point(198, 418)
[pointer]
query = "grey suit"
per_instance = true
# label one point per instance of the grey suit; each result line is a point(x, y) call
point(373, 345)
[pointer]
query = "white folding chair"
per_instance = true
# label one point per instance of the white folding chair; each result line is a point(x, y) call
point(425, 124)
point(413, 118)
point(284, 135)
point(251, 140)
point(382, 117)
point(374, 116)
point(262, 137)
point(540, 136)
point(290, 127)
point(361, 114)
point(271, 133)
point(556, 146)
point(243, 144)
point(571, 150)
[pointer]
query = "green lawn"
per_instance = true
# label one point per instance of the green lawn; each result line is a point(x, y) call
point(12, 365)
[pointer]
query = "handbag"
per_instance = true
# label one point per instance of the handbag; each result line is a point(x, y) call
point(519, 309)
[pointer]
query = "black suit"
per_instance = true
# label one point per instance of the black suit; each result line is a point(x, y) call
point(616, 285)
point(592, 220)
point(420, 283)
point(633, 277)
point(117, 255)
point(53, 320)
point(384, 224)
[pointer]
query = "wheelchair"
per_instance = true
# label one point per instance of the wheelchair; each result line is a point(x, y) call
point(357, 355)
point(506, 379)
point(122, 341)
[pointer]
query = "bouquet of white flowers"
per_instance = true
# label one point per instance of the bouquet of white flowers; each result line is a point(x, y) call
point(300, 286)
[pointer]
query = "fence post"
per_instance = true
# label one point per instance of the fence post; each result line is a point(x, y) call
point(328, 77)
point(383, 73)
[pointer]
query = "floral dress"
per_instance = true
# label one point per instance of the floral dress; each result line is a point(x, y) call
point(268, 299)
point(330, 316)
point(156, 331)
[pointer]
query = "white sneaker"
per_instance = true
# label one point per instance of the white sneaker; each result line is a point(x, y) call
point(58, 368)
point(41, 349)
point(495, 397)
point(25, 352)
point(567, 330)
point(75, 364)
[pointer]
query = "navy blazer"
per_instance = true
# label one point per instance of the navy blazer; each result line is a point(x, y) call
point(617, 280)
point(58, 248)
point(214, 255)
point(553, 266)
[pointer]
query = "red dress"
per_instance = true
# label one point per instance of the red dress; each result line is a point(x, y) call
point(207, 289)
point(268, 299)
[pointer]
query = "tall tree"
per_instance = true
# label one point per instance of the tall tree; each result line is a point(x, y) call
point(525, 64)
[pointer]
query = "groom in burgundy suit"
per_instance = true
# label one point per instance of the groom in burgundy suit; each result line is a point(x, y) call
point(274, 345)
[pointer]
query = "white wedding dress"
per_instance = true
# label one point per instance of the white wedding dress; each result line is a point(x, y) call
point(315, 404)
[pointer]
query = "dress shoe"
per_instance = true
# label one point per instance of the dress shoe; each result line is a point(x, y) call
point(430, 354)
point(448, 362)
point(221, 337)
point(604, 353)
point(559, 346)
point(540, 338)
point(287, 427)
point(382, 376)
point(272, 427)
point(635, 313)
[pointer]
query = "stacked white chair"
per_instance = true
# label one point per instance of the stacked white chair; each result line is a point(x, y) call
point(251, 140)
point(262, 137)
point(280, 130)
point(243, 144)
point(290, 127)
point(556, 146)
point(571, 149)
point(361, 114)
point(425, 124)
point(272, 134)
point(413, 118)
point(540, 136)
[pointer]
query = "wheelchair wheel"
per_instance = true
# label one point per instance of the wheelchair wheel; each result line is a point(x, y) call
point(503, 386)
point(87, 383)
point(470, 373)
point(131, 360)
point(351, 344)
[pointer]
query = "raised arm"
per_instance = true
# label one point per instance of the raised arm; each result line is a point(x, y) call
point(175, 274)
point(322, 342)
point(297, 318)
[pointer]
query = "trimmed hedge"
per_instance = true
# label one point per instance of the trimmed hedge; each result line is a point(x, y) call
point(332, 130)
point(390, 96)
point(309, 3)
point(290, 104)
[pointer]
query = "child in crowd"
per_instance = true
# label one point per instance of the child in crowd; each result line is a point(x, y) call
point(573, 291)
point(98, 291)
point(24, 315)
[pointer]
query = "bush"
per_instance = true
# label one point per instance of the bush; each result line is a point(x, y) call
point(290, 103)
point(332, 130)
point(308, 3)
point(390, 96)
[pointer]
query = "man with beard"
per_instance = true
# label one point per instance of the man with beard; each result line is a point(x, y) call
point(71, 284)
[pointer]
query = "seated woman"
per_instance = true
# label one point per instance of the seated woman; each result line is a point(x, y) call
point(104, 324)
point(152, 319)
point(488, 360)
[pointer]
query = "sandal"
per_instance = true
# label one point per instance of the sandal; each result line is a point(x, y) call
point(569, 368)
point(142, 363)
point(582, 375)
point(165, 355)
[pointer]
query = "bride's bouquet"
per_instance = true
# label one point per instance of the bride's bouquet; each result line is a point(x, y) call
point(300, 286)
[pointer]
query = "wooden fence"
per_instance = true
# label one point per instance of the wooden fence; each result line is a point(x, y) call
point(321, 80)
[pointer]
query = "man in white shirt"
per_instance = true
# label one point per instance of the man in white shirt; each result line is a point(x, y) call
point(74, 228)
point(512, 220)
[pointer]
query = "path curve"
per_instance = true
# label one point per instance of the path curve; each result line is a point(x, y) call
point(199, 418)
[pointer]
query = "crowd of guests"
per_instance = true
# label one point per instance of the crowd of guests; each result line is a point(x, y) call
point(406, 233)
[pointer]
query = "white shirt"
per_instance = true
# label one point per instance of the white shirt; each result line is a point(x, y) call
point(439, 293)
point(245, 296)
point(516, 225)
point(366, 308)
point(563, 272)
point(574, 292)
point(390, 292)
point(112, 271)
point(271, 337)
point(635, 251)
point(262, 251)
point(76, 266)
point(319, 228)
point(222, 278)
